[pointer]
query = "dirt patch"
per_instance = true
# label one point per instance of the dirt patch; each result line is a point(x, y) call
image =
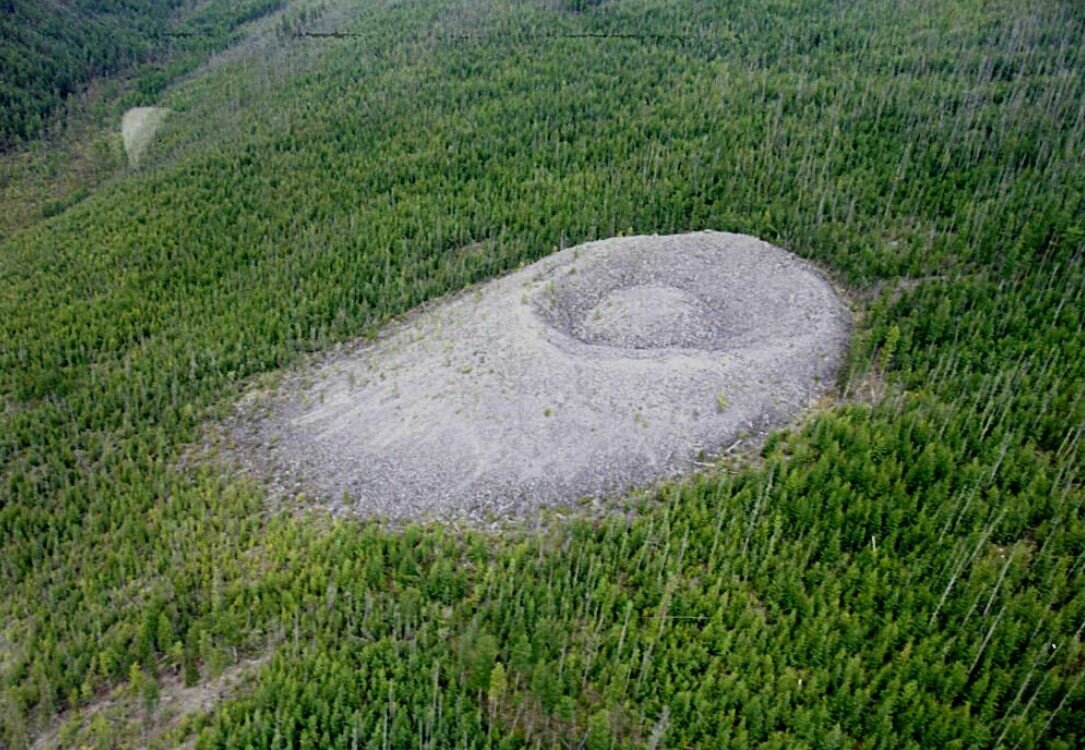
point(138, 127)
point(129, 721)
point(605, 366)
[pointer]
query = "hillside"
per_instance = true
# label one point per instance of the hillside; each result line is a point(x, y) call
point(903, 568)
point(51, 49)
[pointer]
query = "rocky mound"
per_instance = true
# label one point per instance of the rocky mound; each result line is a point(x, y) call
point(601, 367)
point(138, 127)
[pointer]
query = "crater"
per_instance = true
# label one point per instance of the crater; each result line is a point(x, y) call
point(608, 365)
point(650, 316)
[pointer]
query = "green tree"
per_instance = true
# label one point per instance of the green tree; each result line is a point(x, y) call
point(599, 737)
point(496, 689)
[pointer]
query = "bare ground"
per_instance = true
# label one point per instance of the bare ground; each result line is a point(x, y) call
point(606, 366)
point(176, 704)
point(138, 127)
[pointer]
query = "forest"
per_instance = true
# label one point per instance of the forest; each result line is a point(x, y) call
point(51, 49)
point(904, 568)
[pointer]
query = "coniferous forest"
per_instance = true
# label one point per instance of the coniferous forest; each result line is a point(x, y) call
point(903, 568)
point(52, 48)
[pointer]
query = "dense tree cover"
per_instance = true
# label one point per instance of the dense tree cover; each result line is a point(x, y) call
point(49, 49)
point(906, 569)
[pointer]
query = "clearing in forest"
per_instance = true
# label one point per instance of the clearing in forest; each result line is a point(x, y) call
point(604, 366)
point(138, 127)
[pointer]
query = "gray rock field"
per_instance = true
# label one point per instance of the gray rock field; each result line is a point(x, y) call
point(138, 128)
point(602, 367)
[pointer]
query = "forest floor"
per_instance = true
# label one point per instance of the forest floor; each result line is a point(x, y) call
point(176, 702)
point(603, 367)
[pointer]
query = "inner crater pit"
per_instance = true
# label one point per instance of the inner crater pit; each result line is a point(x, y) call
point(648, 316)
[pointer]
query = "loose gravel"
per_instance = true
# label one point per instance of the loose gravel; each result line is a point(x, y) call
point(138, 128)
point(603, 367)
